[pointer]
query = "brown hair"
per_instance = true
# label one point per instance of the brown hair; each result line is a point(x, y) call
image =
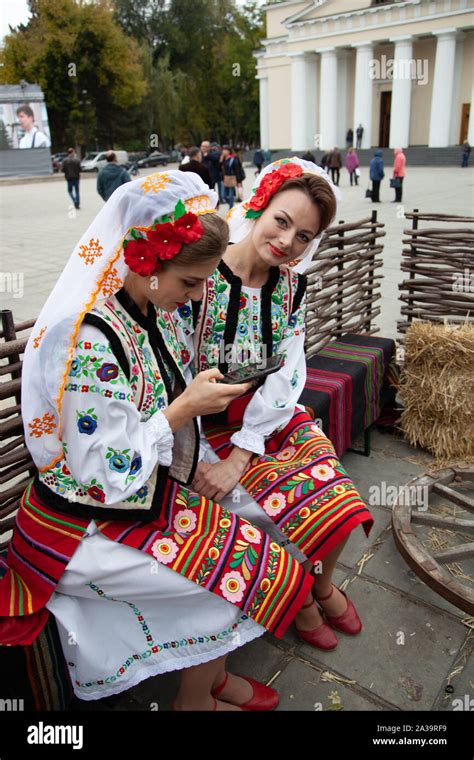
point(26, 109)
point(210, 246)
point(319, 191)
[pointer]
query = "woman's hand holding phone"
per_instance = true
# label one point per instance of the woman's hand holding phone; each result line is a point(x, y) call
point(205, 395)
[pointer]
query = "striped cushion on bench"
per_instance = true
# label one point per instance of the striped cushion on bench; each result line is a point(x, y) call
point(35, 677)
point(348, 383)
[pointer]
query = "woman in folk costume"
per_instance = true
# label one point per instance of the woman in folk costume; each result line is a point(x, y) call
point(282, 471)
point(142, 574)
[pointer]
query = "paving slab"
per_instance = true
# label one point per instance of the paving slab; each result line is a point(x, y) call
point(404, 651)
point(387, 565)
point(301, 688)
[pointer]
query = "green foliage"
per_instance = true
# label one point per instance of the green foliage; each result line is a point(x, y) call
point(148, 73)
point(87, 67)
point(5, 143)
point(200, 67)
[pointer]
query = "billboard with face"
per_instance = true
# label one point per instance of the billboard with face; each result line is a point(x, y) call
point(23, 124)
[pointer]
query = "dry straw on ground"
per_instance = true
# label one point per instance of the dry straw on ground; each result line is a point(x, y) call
point(437, 389)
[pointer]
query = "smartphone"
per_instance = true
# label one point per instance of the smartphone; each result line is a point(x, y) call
point(254, 371)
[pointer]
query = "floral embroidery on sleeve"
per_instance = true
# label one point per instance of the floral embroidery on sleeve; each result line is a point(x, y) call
point(86, 421)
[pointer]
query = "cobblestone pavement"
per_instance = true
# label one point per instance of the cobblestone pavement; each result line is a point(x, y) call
point(40, 228)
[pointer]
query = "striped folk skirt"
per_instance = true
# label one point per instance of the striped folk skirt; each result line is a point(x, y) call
point(132, 601)
point(300, 485)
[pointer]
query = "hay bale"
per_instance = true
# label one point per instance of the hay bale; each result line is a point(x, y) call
point(437, 389)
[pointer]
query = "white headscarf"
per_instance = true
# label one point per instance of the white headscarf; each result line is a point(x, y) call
point(240, 227)
point(95, 271)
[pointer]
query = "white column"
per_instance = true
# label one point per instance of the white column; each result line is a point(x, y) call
point(401, 92)
point(264, 122)
point(311, 61)
point(363, 92)
point(328, 99)
point(303, 101)
point(455, 122)
point(470, 130)
point(344, 121)
point(442, 95)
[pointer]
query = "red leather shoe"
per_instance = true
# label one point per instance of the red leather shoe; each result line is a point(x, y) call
point(264, 697)
point(321, 637)
point(349, 622)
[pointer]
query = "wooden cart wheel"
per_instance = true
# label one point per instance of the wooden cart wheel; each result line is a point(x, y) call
point(408, 518)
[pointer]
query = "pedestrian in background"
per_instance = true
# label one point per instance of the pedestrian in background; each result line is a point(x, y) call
point(465, 153)
point(335, 163)
point(195, 165)
point(398, 173)
point(323, 163)
point(71, 168)
point(111, 176)
point(258, 161)
point(240, 174)
point(231, 169)
point(352, 165)
point(376, 174)
point(211, 154)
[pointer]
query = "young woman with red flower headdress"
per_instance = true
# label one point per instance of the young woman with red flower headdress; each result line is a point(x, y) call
point(142, 574)
point(264, 458)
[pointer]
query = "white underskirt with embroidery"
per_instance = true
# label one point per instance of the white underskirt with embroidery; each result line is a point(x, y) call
point(112, 597)
point(123, 617)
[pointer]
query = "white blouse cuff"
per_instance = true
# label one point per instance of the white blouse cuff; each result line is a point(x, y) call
point(162, 435)
point(250, 440)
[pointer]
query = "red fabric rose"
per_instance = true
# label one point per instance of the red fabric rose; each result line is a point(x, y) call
point(189, 228)
point(259, 201)
point(272, 181)
point(165, 242)
point(290, 170)
point(140, 257)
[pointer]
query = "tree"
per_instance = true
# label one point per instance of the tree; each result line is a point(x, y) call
point(88, 69)
point(200, 66)
point(5, 143)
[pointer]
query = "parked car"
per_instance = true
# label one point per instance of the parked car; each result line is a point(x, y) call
point(154, 159)
point(57, 160)
point(93, 162)
point(133, 158)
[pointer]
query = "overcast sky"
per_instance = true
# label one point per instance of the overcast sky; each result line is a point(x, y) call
point(12, 12)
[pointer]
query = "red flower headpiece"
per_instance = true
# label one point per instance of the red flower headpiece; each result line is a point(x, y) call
point(147, 247)
point(268, 186)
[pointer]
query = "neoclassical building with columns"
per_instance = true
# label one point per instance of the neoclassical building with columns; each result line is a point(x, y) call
point(403, 69)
